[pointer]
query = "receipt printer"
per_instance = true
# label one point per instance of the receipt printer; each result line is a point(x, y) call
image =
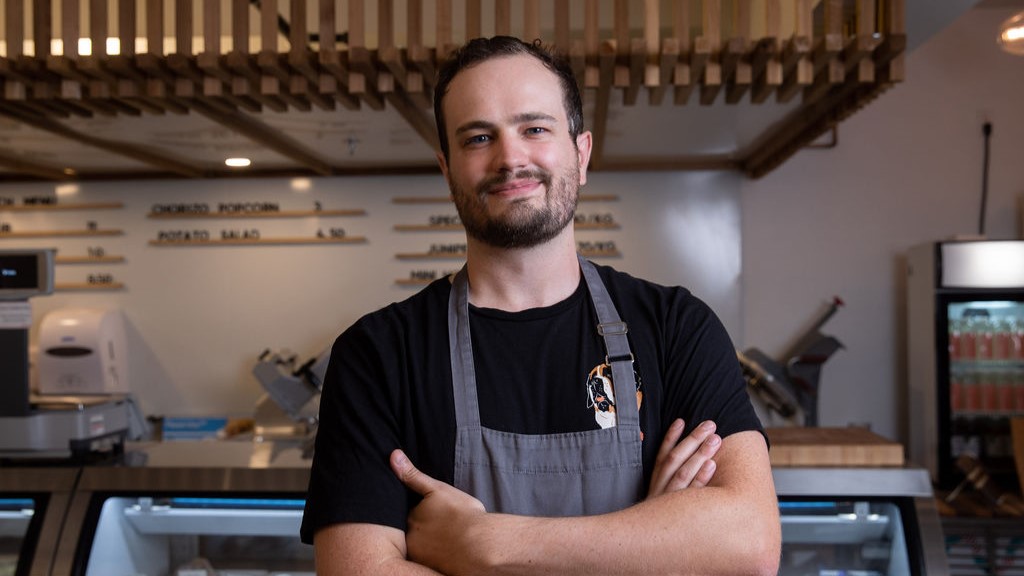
point(82, 351)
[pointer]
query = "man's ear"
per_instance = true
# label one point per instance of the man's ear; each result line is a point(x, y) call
point(584, 145)
point(443, 164)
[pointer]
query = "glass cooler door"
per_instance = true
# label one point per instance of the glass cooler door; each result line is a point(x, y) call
point(843, 537)
point(16, 535)
point(198, 536)
point(33, 505)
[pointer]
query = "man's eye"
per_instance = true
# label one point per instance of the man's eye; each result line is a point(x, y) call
point(536, 130)
point(478, 139)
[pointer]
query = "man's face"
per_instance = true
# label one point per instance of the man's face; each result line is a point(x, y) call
point(513, 169)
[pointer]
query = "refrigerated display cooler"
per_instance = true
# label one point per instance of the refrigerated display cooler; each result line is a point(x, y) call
point(33, 502)
point(859, 522)
point(965, 346)
point(232, 520)
point(186, 522)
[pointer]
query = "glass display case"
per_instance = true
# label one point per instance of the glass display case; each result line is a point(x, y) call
point(175, 519)
point(859, 522)
point(33, 503)
point(186, 522)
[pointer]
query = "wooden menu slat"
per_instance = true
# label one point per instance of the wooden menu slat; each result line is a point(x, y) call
point(280, 214)
point(59, 233)
point(59, 207)
point(258, 241)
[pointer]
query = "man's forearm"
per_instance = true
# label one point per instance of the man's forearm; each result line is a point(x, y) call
point(688, 532)
point(729, 527)
point(364, 550)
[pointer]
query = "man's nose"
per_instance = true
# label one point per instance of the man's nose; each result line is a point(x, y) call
point(510, 154)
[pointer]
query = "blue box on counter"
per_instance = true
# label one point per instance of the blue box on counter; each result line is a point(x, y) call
point(192, 428)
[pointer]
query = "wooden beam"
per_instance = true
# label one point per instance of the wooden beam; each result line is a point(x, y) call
point(40, 170)
point(268, 25)
point(667, 62)
point(503, 18)
point(766, 59)
point(803, 126)
point(591, 32)
point(681, 77)
point(700, 54)
point(766, 69)
point(414, 115)
point(240, 26)
point(711, 31)
point(637, 68)
point(14, 29)
point(797, 68)
point(418, 56)
point(134, 150)
point(443, 19)
point(98, 26)
point(606, 68)
point(182, 27)
point(736, 70)
point(531, 20)
point(69, 27)
point(265, 136)
point(563, 27)
point(42, 26)
point(154, 27)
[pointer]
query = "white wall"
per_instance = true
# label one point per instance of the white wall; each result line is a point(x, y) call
point(198, 317)
point(907, 170)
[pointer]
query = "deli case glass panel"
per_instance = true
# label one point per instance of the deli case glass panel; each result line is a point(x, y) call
point(168, 535)
point(16, 539)
point(33, 505)
point(186, 522)
point(833, 537)
point(859, 522)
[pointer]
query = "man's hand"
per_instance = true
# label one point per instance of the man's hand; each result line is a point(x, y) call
point(687, 463)
point(443, 522)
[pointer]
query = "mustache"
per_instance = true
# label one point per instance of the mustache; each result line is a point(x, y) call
point(542, 176)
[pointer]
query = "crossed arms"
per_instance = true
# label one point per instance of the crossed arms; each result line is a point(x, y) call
point(711, 509)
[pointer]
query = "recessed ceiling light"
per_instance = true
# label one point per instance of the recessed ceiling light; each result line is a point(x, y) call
point(1011, 35)
point(65, 189)
point(238, 162)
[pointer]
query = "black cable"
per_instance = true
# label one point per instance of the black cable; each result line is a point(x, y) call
point(986, 129)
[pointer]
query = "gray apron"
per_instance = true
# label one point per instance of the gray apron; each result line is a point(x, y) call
point(571, 474)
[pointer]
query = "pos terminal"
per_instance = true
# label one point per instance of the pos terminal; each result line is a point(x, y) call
point(23, 274)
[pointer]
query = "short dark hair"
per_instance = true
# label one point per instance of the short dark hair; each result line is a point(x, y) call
point(483, 49)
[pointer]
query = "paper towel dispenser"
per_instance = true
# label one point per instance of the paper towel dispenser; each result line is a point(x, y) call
point(82, 351)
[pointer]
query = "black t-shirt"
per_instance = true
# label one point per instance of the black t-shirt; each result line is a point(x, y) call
point(539, 371)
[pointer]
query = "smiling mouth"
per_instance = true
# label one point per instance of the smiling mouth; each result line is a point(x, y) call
point(514, 184)
point(514, 188)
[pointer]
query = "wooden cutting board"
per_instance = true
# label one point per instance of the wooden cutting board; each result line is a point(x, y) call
point(832, 447)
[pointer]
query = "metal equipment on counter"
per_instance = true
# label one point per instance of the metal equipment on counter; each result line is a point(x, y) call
point(290, 407)
point(35, 427)
point(790, 387)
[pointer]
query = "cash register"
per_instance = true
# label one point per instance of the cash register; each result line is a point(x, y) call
point(49, 426)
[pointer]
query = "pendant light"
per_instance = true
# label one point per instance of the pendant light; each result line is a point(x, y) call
point(1011, 35)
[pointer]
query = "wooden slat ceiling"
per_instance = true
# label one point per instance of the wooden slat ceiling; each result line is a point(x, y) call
point(675, 85)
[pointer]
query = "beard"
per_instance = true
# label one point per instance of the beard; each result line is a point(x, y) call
point(522, 225)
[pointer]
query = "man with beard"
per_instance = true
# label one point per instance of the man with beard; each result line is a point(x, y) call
point(457, 429)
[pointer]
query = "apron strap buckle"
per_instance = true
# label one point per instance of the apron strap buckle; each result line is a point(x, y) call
point(612, 329)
